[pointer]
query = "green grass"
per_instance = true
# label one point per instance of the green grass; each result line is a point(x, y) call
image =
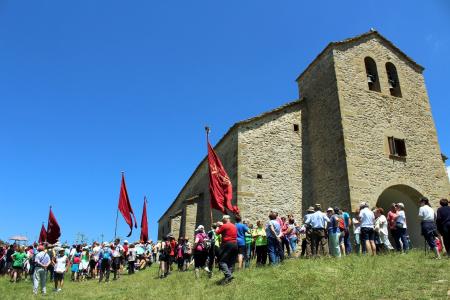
point(411, 276)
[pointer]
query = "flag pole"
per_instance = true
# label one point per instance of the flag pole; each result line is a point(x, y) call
point(207, 129)
point(43, 222)
point(46, 238)
point(117, 215)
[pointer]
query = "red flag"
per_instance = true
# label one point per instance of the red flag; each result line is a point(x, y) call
point(125, 206)
point(53, 230)
point(144, 224)
point(42, 235)
point(220, 186)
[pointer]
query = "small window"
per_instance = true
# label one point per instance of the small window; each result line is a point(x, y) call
point(296, 128)
point(259, 176)
point(372, 74)
point(397, 147)
point(393, 82)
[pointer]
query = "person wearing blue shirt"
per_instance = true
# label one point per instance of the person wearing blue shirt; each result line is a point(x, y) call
point(348, 222)
point(306, 242)
point(105, 257)
point(273, 233)
point(242, 249)
point(317, 221)
point(42, 261)
point(333, 231)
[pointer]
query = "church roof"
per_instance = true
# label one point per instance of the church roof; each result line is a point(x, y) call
point(357, 38)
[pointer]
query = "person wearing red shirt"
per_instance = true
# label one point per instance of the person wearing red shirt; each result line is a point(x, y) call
point(228, 248)
point(391, 217)
point(173, 247)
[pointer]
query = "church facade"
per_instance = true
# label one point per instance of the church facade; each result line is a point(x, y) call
point(362, 130)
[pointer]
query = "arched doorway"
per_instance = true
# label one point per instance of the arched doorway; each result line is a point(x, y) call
point(410, 198)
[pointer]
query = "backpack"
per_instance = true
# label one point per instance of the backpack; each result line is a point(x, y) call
point(106, 255)
point(207, 244)
point(166, 249)
point(204, 243)
point(187, 248)
point(341, 223)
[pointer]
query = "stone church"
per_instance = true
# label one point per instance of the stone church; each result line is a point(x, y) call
point(361, 130)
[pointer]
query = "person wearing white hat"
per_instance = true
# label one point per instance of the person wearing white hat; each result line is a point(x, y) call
point(93, 262)
point(400, 223)
point(317, 221)
point(333, 232)
point(84, 263)
point(201, 247)
point(367, 234)
point(105, 257)
point(61, 266)
point(118, 253)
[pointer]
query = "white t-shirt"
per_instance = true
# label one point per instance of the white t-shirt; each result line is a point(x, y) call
point(401, 218)
point(96, 252)
point(356, 226)
point(131, 254)
point(367, 218)
point(60, 266)
point(381, 225)
point(118, 251)
point(72, 252)
point(426, 213)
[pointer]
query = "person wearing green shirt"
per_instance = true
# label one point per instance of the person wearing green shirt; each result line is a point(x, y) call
point(214, 249)
point(259, 234)
point(19, 257)
point(248, 245)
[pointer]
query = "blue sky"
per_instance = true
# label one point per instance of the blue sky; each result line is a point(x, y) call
point(91, 88)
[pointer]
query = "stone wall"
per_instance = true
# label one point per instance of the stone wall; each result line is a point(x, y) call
point(368, 117)
point(325, 178)
point(175, 225)
point(268, 146)
point(190, 219)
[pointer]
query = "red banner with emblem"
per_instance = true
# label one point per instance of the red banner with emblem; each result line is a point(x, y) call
point(220, 186)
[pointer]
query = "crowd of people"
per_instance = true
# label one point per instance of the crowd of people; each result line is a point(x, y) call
point(81, 261)
point(332, 233)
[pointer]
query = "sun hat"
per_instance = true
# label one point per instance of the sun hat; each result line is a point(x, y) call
point(400, 204)
point(310, 209)
point(225, 217)
point(200, 227)
point(330, 209)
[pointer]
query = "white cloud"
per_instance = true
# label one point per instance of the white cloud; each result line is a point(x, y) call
point(448, 172)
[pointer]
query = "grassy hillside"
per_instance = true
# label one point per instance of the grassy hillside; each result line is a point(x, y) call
point(411, 276)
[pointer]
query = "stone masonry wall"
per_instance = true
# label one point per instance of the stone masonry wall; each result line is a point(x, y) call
point(325, 178)
point(175, 224)
point(270, 147)
point(368, 117)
